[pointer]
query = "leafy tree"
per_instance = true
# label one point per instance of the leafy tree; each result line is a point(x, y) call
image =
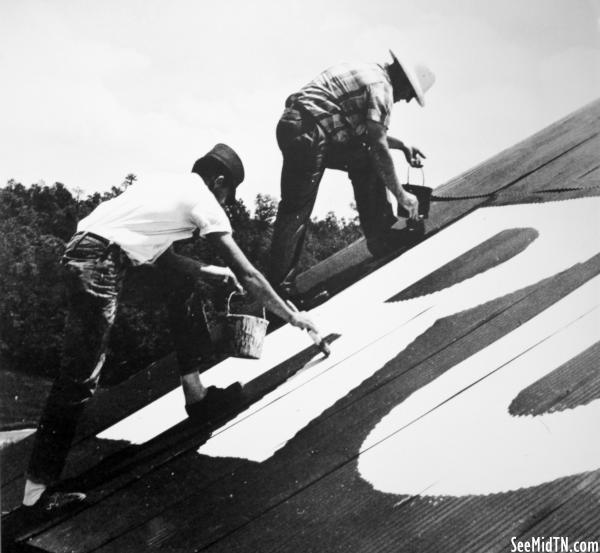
point(130, 178)
point(31, 304)
point(327, 236)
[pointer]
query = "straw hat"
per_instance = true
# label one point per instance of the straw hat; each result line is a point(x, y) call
point(420, 77)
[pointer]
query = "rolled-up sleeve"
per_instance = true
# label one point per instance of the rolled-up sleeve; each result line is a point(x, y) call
point(209, 217)
point(379, 103)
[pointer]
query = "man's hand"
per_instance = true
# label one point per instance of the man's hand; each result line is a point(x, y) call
point(301, 320)
point(229, 279)
point(233, 283)
point(195, 269)
point(414, 156)
point(411, 204)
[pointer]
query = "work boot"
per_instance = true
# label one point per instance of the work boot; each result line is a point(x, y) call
point(216, 403)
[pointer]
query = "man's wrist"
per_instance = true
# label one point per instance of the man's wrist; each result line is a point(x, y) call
point(291, 317)
point(401, 196)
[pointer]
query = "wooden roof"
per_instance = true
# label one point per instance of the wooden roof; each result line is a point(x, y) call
point(457, 411)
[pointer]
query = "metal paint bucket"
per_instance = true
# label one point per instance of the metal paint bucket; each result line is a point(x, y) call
point(245, 333)
point(423, 194)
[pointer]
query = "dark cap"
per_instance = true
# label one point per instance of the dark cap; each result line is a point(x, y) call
point(226, 157)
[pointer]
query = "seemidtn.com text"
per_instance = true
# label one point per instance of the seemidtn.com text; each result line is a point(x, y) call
point(553, 544)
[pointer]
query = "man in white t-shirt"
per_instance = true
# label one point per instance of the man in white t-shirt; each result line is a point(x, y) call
point(138, 227)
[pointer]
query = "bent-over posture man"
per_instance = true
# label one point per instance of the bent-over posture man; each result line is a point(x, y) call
point(340, 121)
point(138, 227)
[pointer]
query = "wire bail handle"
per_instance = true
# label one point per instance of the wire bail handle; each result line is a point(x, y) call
point(422, 174)
point(229, 306)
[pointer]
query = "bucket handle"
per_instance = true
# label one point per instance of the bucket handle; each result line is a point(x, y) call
point(229, 302)
point(422, 175)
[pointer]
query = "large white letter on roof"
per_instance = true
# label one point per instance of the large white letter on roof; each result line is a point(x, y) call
point(564, 240)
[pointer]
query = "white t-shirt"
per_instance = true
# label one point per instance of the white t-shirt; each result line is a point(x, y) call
point(148, 217)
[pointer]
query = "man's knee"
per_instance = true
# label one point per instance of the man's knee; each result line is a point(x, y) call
point(288, 129)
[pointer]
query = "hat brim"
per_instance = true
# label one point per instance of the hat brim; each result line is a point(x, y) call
point(412, 79)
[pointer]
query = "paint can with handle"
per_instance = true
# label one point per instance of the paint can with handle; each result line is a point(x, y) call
point(422, 192)
point(245, 334)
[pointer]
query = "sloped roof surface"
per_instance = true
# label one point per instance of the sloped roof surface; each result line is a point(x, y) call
point(458, 409)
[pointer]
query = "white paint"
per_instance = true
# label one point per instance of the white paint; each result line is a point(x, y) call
point(9, 437)
point(268, 424)
point(455, 436)
point(263, 429)
point(377, 331)
point(168, 410)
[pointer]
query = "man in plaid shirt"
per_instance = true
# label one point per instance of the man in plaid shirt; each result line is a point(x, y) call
point(340, 121)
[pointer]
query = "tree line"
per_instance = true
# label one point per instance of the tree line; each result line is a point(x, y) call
point(36, 222)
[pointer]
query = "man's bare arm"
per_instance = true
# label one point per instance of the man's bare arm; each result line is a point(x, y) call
point(384, 165)
point(253, 280)
point(196, 269)
point(413, 155)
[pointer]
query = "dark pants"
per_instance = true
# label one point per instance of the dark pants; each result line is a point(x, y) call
point(94, 273)
point(306, 154)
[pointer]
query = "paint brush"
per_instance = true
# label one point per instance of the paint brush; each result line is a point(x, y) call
point(316, 338)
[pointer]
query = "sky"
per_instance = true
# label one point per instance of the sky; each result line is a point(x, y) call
point(92, 91)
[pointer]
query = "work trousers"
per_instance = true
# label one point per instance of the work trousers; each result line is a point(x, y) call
point(307, 152)
point(94, 271)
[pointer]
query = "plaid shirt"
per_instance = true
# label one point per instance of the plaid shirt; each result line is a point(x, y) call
point(343, 97)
